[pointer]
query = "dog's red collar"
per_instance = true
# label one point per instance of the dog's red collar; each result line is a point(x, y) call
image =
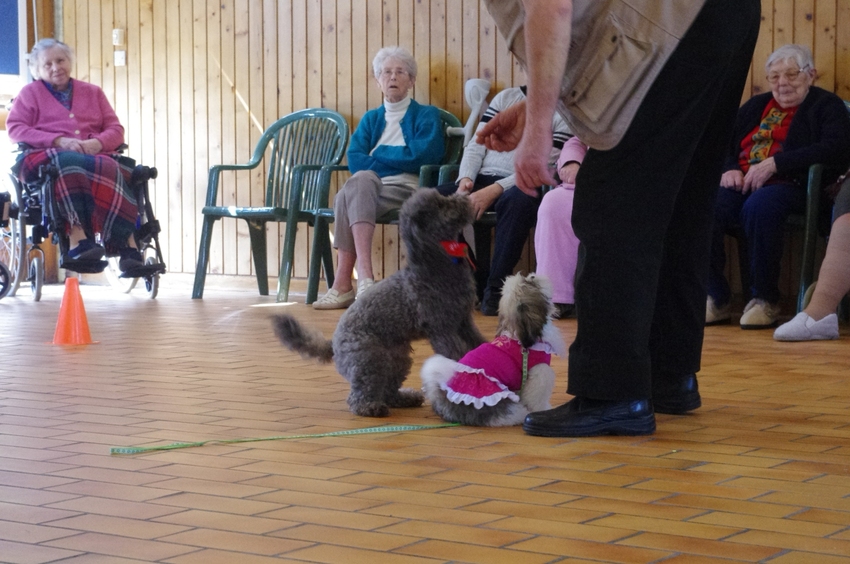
point(458, 250)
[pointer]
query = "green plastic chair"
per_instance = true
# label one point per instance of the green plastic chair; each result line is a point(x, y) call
point(296, 148)
point(324, 216)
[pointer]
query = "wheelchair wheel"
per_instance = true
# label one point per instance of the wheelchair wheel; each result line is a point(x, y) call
point(113, 275)
point(13, 249)
point(152, 281)
point(36, 276)
point(5, 280)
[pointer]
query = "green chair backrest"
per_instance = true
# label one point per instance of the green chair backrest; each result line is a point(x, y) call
point(454, 143)
point(315, 136)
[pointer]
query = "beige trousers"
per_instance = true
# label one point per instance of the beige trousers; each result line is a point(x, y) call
point(363, 198)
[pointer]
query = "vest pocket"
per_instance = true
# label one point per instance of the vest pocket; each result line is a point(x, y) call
point(609, 73)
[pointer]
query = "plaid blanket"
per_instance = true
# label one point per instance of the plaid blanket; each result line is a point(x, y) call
point(92, 191)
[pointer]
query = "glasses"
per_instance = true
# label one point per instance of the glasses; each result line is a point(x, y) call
point(790, 75)
point(389, 73)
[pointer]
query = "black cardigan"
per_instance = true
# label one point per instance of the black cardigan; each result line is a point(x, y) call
point(819, 133)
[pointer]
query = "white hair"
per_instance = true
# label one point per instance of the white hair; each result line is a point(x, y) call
point(800, 54)
point(44, 45)
point(394, 52)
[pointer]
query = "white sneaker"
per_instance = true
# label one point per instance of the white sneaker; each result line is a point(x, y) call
point(335, 300)
point(716, 315)
point(804, 328)
point(363, 286)
point(759, 315)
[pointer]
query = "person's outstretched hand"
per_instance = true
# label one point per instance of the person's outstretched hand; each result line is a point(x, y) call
point(531, 162)
point(504, 132)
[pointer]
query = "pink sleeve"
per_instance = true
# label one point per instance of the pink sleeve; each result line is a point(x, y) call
point(22, 123)
point(574, 150)
point(112, 135)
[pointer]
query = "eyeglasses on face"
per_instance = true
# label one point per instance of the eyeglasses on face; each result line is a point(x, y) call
point(389, 73)
point(790, 75)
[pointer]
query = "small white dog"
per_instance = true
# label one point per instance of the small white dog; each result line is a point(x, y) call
point(500, 382)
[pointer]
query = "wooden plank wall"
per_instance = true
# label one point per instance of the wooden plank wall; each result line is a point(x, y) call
point(204, 77)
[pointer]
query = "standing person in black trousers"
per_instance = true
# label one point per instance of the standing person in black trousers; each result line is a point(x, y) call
point(643, 213)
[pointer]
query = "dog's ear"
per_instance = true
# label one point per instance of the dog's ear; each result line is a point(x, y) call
point(530, 321)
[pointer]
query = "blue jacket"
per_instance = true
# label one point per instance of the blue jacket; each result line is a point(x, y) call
point(819, 134)
point(422, 129)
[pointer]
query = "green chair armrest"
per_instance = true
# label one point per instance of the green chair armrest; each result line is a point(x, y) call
point(428, 175)
point(448, 173)
point(325, 183)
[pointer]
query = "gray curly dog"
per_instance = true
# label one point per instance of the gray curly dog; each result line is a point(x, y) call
point(432, 297)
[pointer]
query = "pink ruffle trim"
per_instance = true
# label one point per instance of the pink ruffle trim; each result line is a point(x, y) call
point(471, 386)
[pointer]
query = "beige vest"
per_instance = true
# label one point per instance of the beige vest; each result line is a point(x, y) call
point(617, 49)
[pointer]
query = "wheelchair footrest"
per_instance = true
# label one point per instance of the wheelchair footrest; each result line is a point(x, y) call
point(144, 271)
point(82, 266)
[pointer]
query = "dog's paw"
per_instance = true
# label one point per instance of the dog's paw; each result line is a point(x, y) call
point(370, 409)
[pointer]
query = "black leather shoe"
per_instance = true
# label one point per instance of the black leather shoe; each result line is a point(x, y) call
point(582, 417)
point(678, 399)
point(489, 306)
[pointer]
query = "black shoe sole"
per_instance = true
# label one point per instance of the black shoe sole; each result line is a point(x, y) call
point(727, 321)
point(759, 327)
point(624, 427)
point(678, 405)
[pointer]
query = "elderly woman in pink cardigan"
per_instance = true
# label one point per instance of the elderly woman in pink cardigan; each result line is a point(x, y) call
point(555, 242)
point(71, 125)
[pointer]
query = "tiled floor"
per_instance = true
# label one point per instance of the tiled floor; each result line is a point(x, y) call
point(760, 474)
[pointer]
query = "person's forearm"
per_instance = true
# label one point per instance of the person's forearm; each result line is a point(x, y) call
point(548, 27)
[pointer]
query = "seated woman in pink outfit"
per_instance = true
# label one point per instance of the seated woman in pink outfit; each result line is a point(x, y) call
point(555, 242)
point(68, 123)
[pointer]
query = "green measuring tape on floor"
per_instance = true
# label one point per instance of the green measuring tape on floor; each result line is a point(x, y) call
point(364, 431)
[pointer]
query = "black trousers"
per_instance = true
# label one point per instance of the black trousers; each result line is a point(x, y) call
point(643, 213)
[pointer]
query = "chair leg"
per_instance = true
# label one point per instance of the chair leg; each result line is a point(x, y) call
point(744, 267)
point(807, 265)
point(483, 244)
point(203, 257)
point(257, 232)
point(286, 261)
point(328, 259)
point(320, 252)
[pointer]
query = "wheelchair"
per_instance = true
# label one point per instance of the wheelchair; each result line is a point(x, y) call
point(30, 216)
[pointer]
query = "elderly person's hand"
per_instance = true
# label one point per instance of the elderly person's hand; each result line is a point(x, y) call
point(69, 144)
point(504, 132)
point(531, 165)
point(484, 198)
point(91, 146)
point(87, 146)
point(733, 180)
point(465, 185)
point(568, 172)
point(758, 175)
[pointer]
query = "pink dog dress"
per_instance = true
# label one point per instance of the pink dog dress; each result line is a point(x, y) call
point(492, 372)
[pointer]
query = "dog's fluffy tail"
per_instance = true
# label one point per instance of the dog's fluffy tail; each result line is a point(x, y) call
point(436, 371)
point(306, 342)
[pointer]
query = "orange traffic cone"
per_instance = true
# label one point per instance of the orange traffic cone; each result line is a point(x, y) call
point(72, 327)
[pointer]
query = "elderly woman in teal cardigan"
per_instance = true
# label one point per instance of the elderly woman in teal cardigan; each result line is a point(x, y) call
point(387, 149)
point(70, 124)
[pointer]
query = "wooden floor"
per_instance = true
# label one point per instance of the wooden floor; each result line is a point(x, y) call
point(760, 474)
